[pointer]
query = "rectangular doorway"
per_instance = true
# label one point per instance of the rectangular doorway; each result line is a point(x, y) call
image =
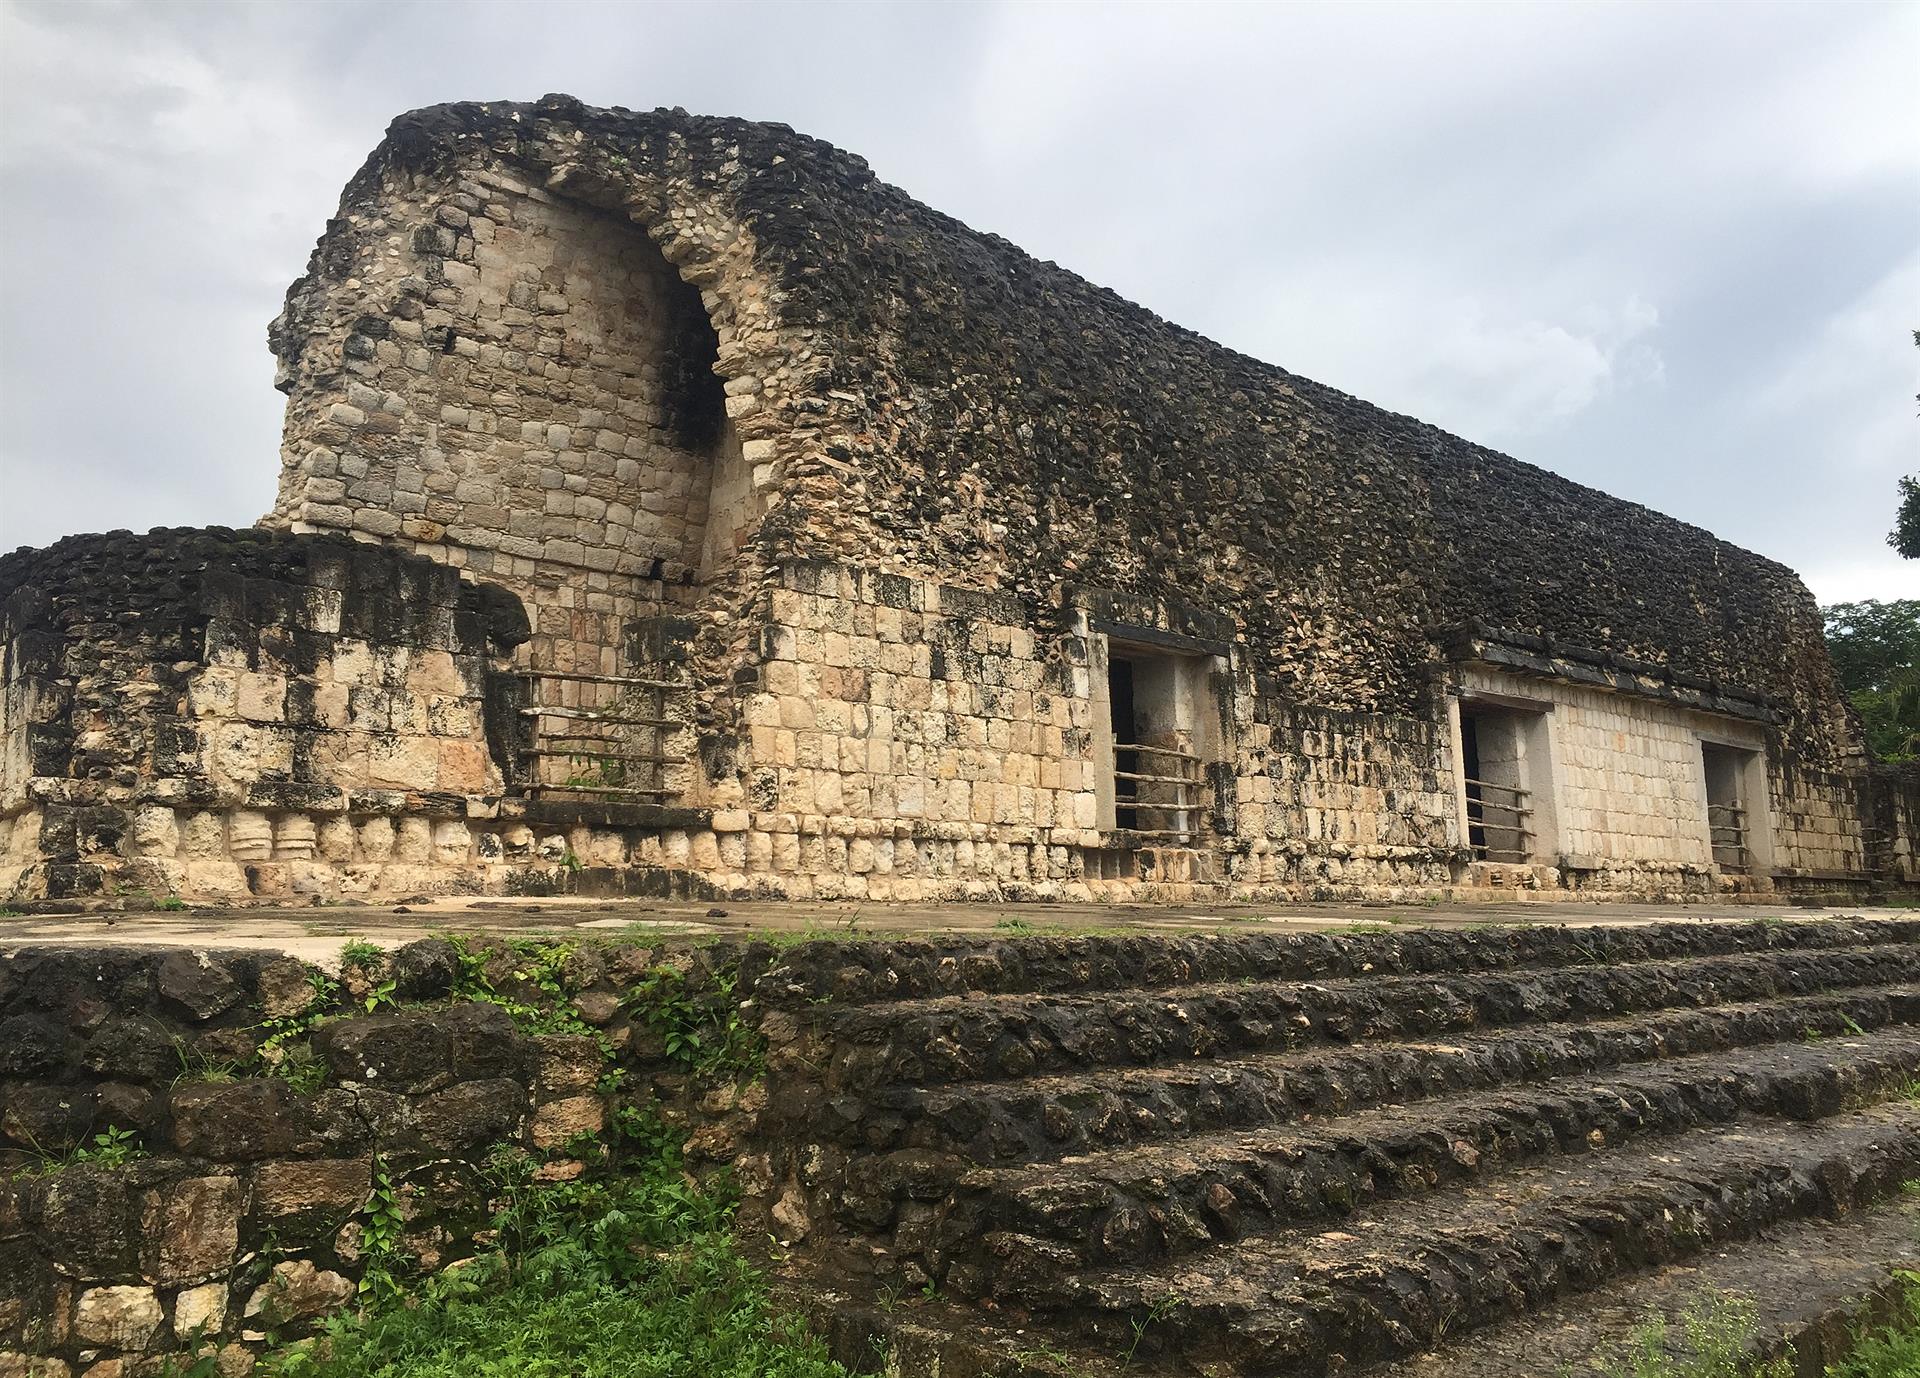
point(1504, 769)
point(1729, 824)
point(1160, 726)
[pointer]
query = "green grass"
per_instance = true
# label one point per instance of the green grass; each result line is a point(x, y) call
point(363, 955)
point(1891, 1350)
point(632, 1274)
point(1721, 1333)
point(111, 1148)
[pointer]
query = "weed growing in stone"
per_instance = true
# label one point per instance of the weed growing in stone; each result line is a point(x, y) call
point(362, 956)
point(1161, 1309)
point(535, 964)
point(285, 1051)
point(700, 1030)
point(380, 1222)
point(1719, 1333)
point(1891, 1350)
point(111, 1147)
point(1044, 1354)
point(632, 1271)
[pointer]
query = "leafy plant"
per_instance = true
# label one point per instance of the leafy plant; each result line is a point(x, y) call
point(1719, 1337)
point(362, 956)
point(1891, 1350)
point(633, 1271)
point(702, 1031)
point(380, 1222)
point(112, 1147)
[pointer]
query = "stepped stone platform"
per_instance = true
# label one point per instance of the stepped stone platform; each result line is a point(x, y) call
point(1427, 1151)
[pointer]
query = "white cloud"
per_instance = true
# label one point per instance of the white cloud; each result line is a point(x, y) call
point(1861, 369)
point(1647, 246)
point(1497, 380)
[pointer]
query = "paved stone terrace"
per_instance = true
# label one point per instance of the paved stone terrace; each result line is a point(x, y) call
point(315, 933)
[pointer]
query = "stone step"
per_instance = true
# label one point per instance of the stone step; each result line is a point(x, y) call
point(1029, 1226)
point(1808, 1284)
point(1045, 1117)
point(1402, 1275)
point(989, 1038)
point(859, 972)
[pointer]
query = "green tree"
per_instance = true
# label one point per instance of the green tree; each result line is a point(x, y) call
point(1876, 650)
point(1905, 536)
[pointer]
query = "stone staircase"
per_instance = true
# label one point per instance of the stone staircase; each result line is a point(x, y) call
point(1324, 1153)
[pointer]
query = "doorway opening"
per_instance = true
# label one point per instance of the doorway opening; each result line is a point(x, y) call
point(1503, 766)
point(1729, 831)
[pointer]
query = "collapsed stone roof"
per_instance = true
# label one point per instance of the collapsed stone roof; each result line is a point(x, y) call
point(960, 409)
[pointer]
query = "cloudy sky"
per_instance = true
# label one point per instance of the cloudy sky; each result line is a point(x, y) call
point(1669, 250)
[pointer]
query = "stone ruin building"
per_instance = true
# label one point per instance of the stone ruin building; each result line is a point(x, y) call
point(669, 506)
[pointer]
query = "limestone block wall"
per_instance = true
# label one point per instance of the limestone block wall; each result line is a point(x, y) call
point(261, 1106)
point(1328, 801)
point(1629, 791)
point(1820, 823)
point(521, 386)
point(907, 739)
point(230, 714)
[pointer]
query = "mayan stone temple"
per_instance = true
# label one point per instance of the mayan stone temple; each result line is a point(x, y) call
point(667, 506)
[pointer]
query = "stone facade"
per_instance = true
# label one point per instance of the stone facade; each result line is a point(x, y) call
point(524, 388)
point(864, 556)
point(255, 715)
point(241, 1209)
point(1005, 1120)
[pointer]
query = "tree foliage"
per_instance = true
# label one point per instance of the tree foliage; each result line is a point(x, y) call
point(1876, 650)
point(1905, 536)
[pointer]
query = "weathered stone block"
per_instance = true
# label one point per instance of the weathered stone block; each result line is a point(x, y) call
point(118, 1317)
point(408, 1053)
point(297, 1291)
point(191, 1229)
point(240, 1121)
point(557, 1122)
point(200, 1311)
point(472, 1114)
point(328, 1188)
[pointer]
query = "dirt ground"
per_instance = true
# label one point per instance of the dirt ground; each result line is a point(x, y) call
point(317, 933)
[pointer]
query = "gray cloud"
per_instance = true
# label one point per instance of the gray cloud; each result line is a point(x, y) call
point(1670, 251)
